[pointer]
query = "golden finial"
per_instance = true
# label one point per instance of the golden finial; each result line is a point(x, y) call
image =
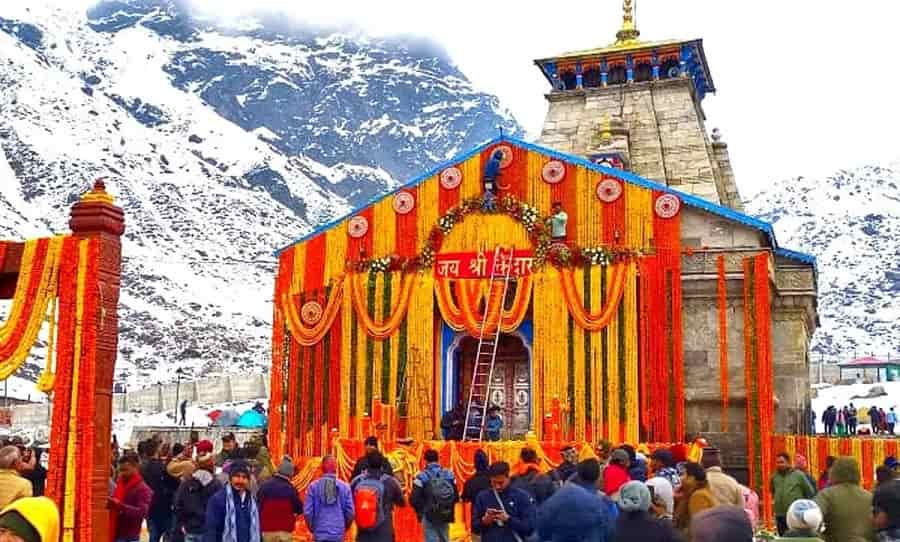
point(629, 33)
point(98, 193)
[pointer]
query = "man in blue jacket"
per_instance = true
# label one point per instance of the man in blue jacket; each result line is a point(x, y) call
point(576, 511)
point(231, 514)
point(503, 513)
point(329, 505)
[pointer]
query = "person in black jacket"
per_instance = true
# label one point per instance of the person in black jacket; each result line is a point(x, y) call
point(191, 498)
point(480, 481)
point(530, 479)
point(371, 445)
point(568, 467)
point(159, 519)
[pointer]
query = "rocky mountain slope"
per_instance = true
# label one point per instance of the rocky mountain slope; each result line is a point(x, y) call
point(851, 222)
point(222, 143)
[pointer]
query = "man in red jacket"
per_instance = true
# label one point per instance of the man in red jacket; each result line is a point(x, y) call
point(279, 505)
point(130, 502)
point(615, 475)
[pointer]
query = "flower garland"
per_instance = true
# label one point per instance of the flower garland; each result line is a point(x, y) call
point(470, 293)
point(309, 335)
point(596, 320)
point(387, 326)
point(723, 340)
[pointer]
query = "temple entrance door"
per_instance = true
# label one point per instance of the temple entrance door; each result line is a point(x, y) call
point(510, 385)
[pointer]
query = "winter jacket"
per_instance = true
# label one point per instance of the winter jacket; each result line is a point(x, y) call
point(215, 516)
point(691, 504)
point(163, 486)
point(788, 487)
point(475, 485)
point(360, 467)
point(564, 472)
point(492, 427)
point(724, 488)
point(266, 468)
point(417, 499)
point(191, 499)
point(132, 511)
point(846, 507)
point(279, 505)
point(328, 509)
point(751, 505)
point(225, 456)
point(517, 503)
point(574, 513)
point(888, 535)
point(532, 481)
point(41, 513)
point(393, 496)
point(12, 487)
point(641, 527)
point(181, 468)
point(614, 477)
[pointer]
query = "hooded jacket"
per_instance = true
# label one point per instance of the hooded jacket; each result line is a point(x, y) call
point(41, 513)
point(279, 505)
point(574, 513)
point(846, 507)
point(531, 480)
point(191, 499)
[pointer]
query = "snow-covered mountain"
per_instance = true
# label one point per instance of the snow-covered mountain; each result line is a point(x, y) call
point(851, 222)
point(222, 142)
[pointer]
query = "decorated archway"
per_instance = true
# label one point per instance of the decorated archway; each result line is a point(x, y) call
point(72, 281)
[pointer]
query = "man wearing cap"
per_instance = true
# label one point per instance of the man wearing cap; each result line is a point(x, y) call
point(192, 497)
point(31, 519)
point(230, 450)
point(279, 504)
point(232, 514)
point(329, 508)
point(724, 488)
point(371, 445)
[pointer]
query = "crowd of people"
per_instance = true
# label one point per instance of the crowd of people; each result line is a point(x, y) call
point(186, 492)
point(848, 421)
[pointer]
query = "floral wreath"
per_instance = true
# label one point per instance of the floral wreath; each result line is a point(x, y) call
point(537, 227)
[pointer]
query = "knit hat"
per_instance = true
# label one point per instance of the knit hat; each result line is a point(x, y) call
point(371, 441)
point(286, 468)
point(239, 467)
point(722, 523)
point(204, 447)
point(16, 523)
point(804, 515)
point(633, 497)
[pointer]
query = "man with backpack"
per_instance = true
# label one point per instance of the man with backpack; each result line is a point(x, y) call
point(434, 497)
point(374, 496)
point(529, 478)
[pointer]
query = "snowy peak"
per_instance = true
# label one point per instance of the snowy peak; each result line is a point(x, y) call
point(222, 141)
point(851, 222)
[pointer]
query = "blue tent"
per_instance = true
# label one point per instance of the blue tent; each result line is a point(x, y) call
point(251, 418)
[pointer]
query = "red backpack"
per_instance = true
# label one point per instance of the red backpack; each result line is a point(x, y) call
point(368, 499)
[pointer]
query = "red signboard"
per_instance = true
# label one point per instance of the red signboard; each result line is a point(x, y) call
point(475, 265)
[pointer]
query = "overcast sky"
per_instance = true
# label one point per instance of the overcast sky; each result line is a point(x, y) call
point(804, 87)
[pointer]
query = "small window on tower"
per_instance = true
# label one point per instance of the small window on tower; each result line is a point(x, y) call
point(643, 72)
point(568, 79)
point(618, 75)
point(592, 77)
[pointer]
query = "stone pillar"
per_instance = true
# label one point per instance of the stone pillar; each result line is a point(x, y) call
point(794, 320)
point(728, 186)
point(96, 216)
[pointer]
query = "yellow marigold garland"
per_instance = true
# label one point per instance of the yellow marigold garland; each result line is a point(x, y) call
point(382, 327)
point(311, 335)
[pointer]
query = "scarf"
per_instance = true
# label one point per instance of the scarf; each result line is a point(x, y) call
point(122, 489)
point(230, 532)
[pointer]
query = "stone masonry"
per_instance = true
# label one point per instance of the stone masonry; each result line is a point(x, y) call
point(664, 127)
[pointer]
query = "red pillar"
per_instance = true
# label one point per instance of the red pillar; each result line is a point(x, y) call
point(96, 216)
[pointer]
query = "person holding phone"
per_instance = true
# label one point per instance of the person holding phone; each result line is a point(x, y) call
point(503, 513)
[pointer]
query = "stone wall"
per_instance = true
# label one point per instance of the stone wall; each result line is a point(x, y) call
point(667, 139)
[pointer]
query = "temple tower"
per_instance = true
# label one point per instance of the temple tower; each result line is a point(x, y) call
point(637, 105)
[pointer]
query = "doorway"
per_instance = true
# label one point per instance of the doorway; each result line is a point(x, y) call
point(510, 383)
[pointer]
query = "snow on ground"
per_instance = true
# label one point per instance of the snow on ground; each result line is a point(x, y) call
point(844, 395)
point(124, 423)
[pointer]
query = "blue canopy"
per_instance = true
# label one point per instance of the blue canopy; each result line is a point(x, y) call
point(251, 418)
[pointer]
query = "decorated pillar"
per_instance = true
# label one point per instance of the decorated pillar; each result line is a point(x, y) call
point(629, 69)
point(604, 73)
point(655, 61)
point(96, 216)
point(579, 76)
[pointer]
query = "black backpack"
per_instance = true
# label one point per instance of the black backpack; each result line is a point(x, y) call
point(440, 500)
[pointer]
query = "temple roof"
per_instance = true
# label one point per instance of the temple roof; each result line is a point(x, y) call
point(687, 199)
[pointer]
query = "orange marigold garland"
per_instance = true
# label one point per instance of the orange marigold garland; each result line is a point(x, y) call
point(750, 377)
point(723, 341)
point(766, 398)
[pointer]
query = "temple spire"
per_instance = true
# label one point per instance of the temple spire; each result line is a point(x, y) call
point(629, 33)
